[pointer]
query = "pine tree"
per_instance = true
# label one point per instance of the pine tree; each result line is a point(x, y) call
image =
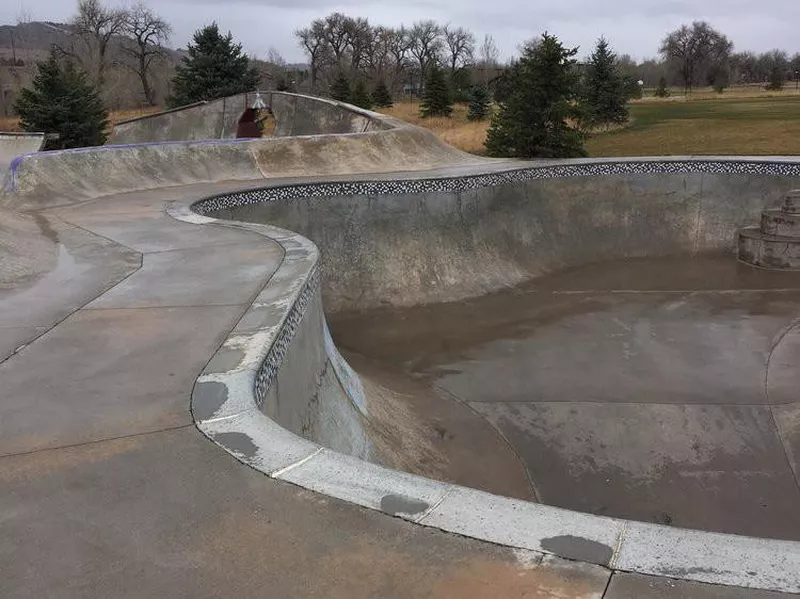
point(436, 99)
point(537, 105)
point(361, 97)
point(605, 96)
point(340, 90)
point(63, 101)
point(214, 68)
point(381, 96)
point(478, 104)
point(662, 91)
point(632, 87)
point(776, 78)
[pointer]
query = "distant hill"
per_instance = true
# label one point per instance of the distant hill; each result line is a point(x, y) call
point(22, 45)
point(32, 41)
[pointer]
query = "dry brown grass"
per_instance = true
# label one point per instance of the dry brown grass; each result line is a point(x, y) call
point(456, 130)
point(11, 123)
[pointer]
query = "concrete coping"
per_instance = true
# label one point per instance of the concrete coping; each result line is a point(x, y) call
point(225, 408)
point(373, 116)
point(15, 134)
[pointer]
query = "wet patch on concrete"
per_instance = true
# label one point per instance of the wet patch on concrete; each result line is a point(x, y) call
point(207, 398)
point(238, 443)
point(398, 504)
point(578, 548)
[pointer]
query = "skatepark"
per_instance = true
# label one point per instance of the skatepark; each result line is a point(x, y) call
point(348, 359)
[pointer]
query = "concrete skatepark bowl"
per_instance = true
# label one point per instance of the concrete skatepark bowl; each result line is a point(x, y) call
point(561, 358)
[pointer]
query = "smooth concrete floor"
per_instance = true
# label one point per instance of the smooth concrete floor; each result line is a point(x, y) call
point(663, 390)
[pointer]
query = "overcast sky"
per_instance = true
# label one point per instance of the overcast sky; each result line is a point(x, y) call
point(633, 26)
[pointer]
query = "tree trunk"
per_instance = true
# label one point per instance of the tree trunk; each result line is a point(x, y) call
point(148, 91)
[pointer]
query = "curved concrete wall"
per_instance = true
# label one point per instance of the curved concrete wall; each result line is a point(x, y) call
point(294, 115)
point(16, 144)
point(385, 145)
point(406, 243)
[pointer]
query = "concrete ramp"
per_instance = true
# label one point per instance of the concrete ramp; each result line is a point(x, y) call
point(314, 136)
point(295, 115)
point(17, 144)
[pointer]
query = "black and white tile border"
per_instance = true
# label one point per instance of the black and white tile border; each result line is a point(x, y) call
point(615, 544)
point(269, 367)
point(471, 182)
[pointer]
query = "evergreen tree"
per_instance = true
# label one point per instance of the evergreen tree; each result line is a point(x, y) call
point(776, 78)
point(63, 101)
point(478, 104)
point(662, 91)
point(633, 90)
point(436, 98)
point(381, 96)
point(537, 105)
point(340, 90)
point(214, 68)
point(361, 97)
point(605, 97)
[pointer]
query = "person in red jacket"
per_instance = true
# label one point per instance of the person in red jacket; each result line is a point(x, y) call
point(251, 122)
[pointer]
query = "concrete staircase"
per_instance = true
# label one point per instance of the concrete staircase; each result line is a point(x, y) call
point(775, 244)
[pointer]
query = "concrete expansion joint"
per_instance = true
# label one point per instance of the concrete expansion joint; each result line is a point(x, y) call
point(435, 505)
point(109, 239)
point(298, 463)
point(225, 418)
point(612, 563)
point(168, 429)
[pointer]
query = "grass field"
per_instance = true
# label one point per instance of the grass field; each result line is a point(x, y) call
point(746, 121)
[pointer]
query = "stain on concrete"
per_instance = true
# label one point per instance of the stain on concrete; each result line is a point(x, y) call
point(238, 443)
point(578, 548)
point(398, 504)
point(207, 398)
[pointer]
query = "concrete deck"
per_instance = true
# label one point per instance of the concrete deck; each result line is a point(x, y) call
point(109, 490)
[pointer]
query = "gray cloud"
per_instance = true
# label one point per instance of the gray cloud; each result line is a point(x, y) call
point(634, 26)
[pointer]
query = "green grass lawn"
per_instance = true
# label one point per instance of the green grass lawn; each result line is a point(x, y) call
point(723, 126)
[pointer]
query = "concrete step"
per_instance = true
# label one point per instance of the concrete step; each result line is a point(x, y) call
point(792, 202)
point(768, 251)
point(781, 223)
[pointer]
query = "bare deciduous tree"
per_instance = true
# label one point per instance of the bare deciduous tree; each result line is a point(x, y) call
point(426, 45)
point(314, 42)
point(488, 58)
point(380, 56)
point(359, 41)
point(460, 46)
point(148, 33)
point(94, 25)
point(489, 54)
point(399, 46)
point(336, 31)
point(694, 47)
